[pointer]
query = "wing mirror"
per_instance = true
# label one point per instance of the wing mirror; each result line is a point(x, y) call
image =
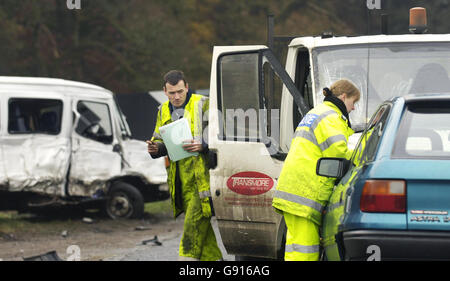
point(332, 167)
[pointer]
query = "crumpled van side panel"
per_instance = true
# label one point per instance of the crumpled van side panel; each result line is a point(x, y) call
point(37, 163)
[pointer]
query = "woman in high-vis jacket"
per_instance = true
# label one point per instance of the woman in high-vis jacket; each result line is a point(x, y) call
point(301, 195)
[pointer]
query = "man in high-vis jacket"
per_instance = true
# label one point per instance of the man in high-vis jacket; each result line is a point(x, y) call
point(301, 195)
point(188, 178)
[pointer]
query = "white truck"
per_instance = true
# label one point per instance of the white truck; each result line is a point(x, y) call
point(65, 142)
point(251, 126)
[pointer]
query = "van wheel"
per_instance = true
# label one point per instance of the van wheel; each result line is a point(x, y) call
point(124, 201)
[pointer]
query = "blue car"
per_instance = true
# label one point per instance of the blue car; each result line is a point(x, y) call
point(392, 199)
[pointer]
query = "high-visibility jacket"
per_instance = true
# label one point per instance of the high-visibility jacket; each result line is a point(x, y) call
point(323, 132)
point(193, 171)
point(361, 147)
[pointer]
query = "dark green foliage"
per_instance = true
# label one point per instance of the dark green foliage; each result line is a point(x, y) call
point(127, 46)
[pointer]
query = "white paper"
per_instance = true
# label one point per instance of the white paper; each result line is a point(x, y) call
point(173, 135)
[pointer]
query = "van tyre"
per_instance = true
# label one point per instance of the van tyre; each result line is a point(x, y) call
point(124, 201)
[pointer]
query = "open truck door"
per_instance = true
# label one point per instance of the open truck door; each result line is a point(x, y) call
point(244, 137)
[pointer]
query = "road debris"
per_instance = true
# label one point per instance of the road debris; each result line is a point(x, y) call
point(49, 256)
point(141, 227)
point(8, 236)
point(88, 220)
point(154, 241)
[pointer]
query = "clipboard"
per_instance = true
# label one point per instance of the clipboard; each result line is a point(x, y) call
point(173, 135)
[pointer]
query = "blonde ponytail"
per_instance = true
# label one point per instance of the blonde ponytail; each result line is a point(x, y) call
point(342, 86)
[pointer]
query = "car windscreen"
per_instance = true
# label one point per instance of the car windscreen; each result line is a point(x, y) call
point(383, 71)
point(424, 131)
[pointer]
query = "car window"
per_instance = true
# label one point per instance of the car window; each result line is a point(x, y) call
point(424, 131)
point(34, 116)
point(367, 146)
point(95, 121)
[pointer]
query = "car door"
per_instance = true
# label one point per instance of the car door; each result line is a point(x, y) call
point(243, 133)
point(36, 146)
point(341, 199)
point(94, 160)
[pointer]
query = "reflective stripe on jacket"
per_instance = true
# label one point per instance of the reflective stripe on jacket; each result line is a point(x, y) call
point(323, 132)
point(194, 170)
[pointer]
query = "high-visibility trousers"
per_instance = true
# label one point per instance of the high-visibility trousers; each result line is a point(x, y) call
point(199, 240)
point(302, 239)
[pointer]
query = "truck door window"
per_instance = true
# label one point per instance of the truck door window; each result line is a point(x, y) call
point(94, 122)
point(34, 116)
point(303, 77)
point(239, 94)
point(273, 87)
point(249, 94)
point(303, 83)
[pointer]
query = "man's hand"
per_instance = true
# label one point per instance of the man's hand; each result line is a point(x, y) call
point(152, 147)
point(192, 146)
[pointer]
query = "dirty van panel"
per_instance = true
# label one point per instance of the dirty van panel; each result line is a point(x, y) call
point(93, 160)
point(35, 148)
point(244, 132)
point(135, 153)
point(241, 189)
point(135, 156)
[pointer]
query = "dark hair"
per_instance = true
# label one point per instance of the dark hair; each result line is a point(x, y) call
point(327, 92)
point(173, 77)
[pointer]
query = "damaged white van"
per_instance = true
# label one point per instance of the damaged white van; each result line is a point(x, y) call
point(65, 142)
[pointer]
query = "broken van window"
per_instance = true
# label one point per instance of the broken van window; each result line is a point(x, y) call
point(32, 116)
point(95, 121)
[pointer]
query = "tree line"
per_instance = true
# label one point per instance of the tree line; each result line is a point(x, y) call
point(126, 46)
